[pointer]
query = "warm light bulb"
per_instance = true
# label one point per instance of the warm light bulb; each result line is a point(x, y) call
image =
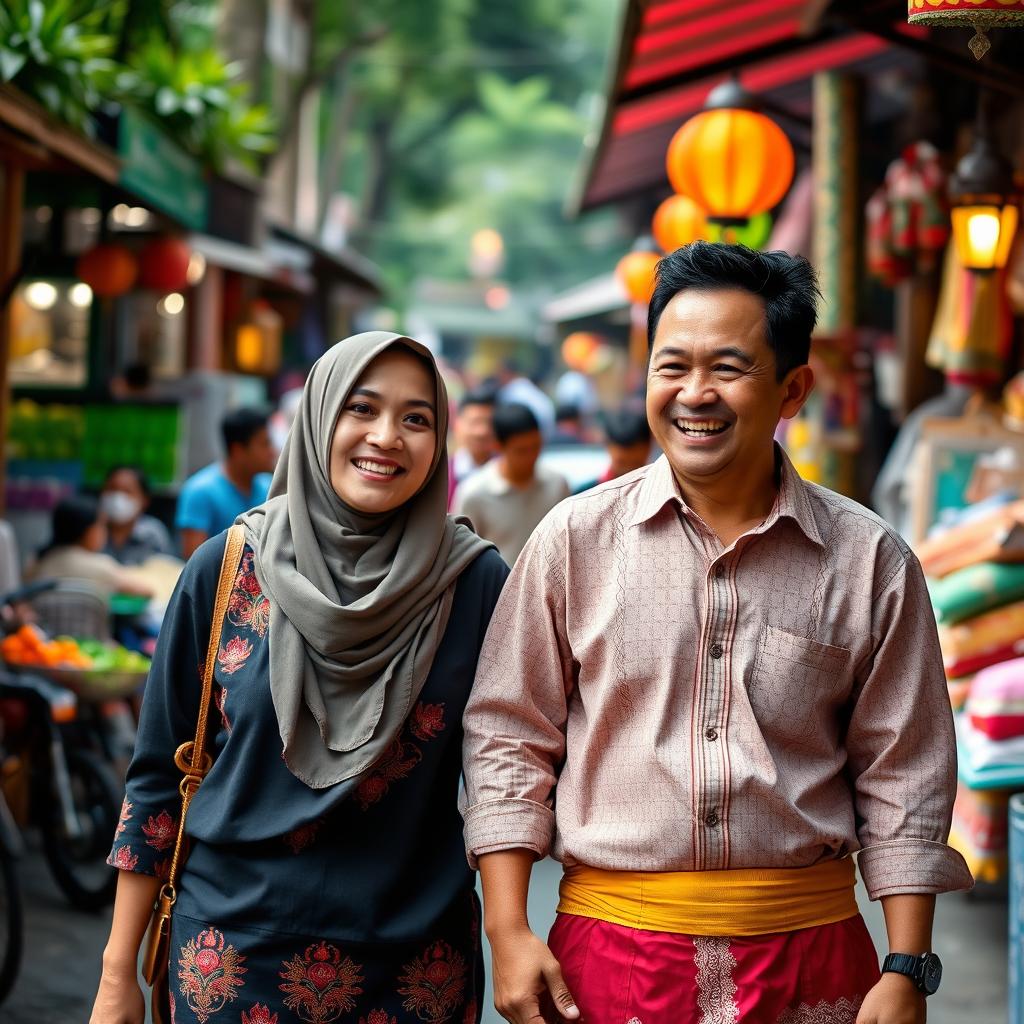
point(80, 295)
point(171, 305)
point(196, 268)
point(40, 295)
point(983, 233)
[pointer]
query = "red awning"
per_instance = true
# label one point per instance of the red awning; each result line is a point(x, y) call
point(674, 52)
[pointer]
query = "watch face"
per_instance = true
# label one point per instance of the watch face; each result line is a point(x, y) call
point(931, 973)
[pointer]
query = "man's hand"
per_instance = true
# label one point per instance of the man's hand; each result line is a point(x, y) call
point(528, 983)
point(894, 1000)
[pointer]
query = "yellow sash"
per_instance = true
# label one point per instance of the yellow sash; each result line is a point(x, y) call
point(745, 901)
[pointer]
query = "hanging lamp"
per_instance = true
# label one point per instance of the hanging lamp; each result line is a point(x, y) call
point(980, 15)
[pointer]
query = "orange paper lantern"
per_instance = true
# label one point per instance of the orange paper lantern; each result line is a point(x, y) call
point(578, 350)
point(678, 221)
point(109, 270)
point(731, 160)
point(163, 265)
point(636, 272)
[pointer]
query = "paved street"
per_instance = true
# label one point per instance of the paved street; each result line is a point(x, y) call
point(63, 953)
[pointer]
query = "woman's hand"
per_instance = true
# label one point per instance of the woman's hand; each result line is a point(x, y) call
point(528, 983)
point(894, 1000)
point(119, 999)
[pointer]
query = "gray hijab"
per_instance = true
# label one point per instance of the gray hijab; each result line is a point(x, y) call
point(358, 603)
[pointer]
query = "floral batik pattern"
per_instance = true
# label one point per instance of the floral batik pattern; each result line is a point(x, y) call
point(234, 654)
point(403, 754)
point(844, 1011)
point(319, 985)
point(434, 983)
point(124, 859)
point(378, 1017)
point(247, 607)
point(124, 818)
point(160, 832)
point(259, 1014)
point(209, 973)
point(305, 835)
point(716, 987)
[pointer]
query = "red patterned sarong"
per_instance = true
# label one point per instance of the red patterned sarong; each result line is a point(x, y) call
point(621, 975)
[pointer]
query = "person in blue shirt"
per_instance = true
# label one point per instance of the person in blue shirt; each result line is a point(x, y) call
point(212, 499)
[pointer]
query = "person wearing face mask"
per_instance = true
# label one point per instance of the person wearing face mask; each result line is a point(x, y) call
point(132, 536)
point(75, 551)
point(325, 877)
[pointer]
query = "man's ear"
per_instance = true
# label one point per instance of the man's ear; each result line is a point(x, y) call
point(797, 388)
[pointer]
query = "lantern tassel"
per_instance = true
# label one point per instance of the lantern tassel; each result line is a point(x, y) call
point(979, 42)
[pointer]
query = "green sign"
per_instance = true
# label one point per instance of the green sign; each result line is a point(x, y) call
point(159, 171)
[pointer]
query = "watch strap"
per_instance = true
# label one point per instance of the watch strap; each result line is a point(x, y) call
point(902, 963)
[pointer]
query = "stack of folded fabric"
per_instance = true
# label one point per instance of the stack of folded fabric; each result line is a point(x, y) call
point(976, 574)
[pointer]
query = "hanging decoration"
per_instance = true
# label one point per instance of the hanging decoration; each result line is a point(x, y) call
point(754, 234)
point(907, 218)
point(636, 270)
point(980, 15)
point(678, 221)
point(732, 160)
point(585, 352)
point(109, 270)
point(163, 265)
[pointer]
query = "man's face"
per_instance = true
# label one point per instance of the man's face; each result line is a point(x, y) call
point(713, 399)
point(474, 432)
point(521, 453)
point(624, 458)
point(259, 454)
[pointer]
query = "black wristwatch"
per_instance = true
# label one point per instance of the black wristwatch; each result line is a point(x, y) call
point(925, 971)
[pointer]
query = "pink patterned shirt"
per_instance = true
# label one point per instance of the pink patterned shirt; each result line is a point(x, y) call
point(649, 700)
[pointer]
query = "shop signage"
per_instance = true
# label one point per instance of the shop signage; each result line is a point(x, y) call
point(160, 172)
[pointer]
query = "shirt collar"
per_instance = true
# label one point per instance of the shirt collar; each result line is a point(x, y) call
point(660, 487)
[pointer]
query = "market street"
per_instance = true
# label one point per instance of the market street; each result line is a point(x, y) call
point(63, 949)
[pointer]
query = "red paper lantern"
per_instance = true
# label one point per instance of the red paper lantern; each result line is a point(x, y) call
point(636, 272)
point(977, 14)
point(109, 270)
point(678, 221)
point(163, 265)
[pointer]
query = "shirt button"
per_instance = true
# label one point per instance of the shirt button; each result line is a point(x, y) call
point(716, 651)
point(711, 820)
point(719, 571)
point(711, 733)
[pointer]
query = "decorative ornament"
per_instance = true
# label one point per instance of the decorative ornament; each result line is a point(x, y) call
point(733, 161)
point(977, 14)
point(109, 270)
point(163, 265)
point(678, 221)
point(754, 234)
point(636, 270)
point(585, 352)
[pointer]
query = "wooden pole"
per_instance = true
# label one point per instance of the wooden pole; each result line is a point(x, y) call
point(12, 191)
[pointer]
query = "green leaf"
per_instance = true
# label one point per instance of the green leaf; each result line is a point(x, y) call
point(10, 63)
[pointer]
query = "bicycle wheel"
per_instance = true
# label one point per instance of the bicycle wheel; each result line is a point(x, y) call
point(11, 920)
point(79, 863)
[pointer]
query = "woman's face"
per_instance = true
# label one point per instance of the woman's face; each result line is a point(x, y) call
point(386, 434)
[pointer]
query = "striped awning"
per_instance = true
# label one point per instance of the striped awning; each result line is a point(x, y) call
point(673, 52)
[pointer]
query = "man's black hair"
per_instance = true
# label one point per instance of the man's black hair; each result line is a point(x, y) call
point(567, 411)
point(513, 419)
point(626, 427)
point(72, 518)
point(141, 478)
point(479, 396)
point(787, 284)
point(240, 426)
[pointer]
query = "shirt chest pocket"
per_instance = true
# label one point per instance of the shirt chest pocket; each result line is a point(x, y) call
point(798, 684)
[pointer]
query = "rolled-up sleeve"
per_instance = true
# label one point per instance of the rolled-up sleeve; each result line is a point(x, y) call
point(515, 720)
point(902, 748)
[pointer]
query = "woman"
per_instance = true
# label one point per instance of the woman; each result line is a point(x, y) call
point(326, 877)
point(76, 547)
point(132, 536)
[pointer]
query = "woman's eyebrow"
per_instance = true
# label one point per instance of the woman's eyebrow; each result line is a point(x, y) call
point(413, 403)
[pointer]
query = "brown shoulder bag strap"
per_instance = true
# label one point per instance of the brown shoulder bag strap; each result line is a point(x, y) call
point(191, 757)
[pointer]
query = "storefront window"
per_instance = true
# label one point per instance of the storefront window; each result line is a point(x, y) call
point(50, 333)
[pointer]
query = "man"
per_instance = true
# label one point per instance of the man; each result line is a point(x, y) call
point(213, 498)
point(519, 389)
point(133, 537)
point(627, 437)
point(569, 427)
point(512, 494)
point(704, 686)
point(474, 434)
